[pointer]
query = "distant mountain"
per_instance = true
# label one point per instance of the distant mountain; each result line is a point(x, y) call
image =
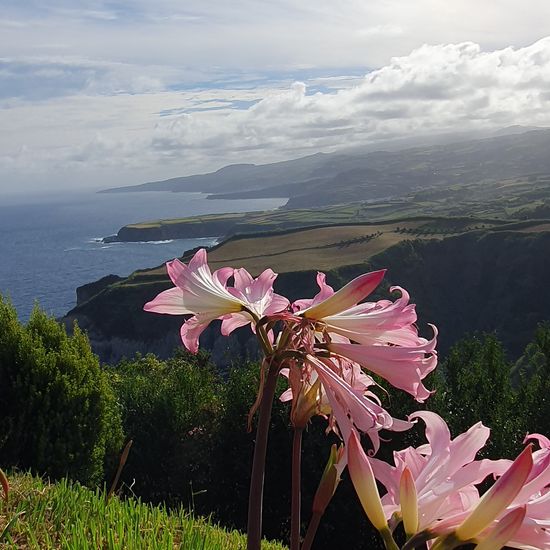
point(335, 178)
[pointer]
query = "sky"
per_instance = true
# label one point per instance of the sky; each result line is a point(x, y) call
point(101, 94)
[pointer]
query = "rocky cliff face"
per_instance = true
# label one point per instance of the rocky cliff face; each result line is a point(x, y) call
point(480, 281)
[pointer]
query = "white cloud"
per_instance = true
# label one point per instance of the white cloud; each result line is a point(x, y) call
point(434, 89)
point(164, 87)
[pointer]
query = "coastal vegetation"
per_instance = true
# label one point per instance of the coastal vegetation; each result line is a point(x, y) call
point(191, 448)
point(449, 209)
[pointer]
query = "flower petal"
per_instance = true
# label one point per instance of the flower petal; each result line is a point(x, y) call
point(402, 367)
point(192, 329)
point(364, 482)
point(347, 296)
point(497, 498)
point(505, 529)
point(169, 302)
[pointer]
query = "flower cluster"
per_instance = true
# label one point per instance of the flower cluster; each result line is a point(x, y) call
point(330, 348)
point(323, 344)
point(432, 489)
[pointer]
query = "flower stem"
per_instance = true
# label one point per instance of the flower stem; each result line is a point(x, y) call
point(312, 530)
point(295, 513)
point(389, 542)
point(255, 500)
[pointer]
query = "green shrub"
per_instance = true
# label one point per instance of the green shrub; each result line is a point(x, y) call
point(59, 414)
point(474, 383)
point(168, 409)
point(534, 377)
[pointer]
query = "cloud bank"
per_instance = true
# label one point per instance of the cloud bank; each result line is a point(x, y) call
point(110, 118)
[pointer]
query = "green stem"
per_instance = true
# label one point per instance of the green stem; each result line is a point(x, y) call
point(312, 530)
point(264, 341)
point(295, 514)
point(389, 543)
point(448, 543)
point(255, 499)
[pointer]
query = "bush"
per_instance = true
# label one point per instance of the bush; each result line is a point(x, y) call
point(534, 376)
point(474, 383)
point(59, 414)
point(168, 410)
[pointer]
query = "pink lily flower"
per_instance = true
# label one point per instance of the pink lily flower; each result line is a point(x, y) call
point(443, 472)
point(478, 523)
point(257, 294)
point(515, 511)
point(534, 496)
point(439, 479)
point(340, 391)
point(206, 297)
point(380, 336)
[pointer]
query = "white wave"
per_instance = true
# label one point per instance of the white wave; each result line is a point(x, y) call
point(168, 241)
point(161, 242)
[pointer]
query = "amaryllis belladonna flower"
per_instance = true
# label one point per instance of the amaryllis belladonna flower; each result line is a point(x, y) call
point(380, 336)
point(205, 296)
point(432, 489)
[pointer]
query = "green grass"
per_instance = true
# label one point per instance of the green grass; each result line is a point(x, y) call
point(40, 515)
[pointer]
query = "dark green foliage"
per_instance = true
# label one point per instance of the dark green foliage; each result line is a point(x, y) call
point(59, 414)
point(234, 447)
point(168, 409)
point(188, 423)
point(474, 384)
point(533, 370)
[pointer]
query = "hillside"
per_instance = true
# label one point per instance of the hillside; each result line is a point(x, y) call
point(476, 279)
point(335, 178)
point(489, 202)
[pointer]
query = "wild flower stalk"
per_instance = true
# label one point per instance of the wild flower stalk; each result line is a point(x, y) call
point(321, 345)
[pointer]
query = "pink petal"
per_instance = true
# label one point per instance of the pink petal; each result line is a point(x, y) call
point(542, 440)
point(497, 498)
point(223, 274)
point(504, 530)
point(347, 296)
point(352, 407)
point(278, 303)
point(323, 294)
point(364, 482)
point(437, 432)
point(263, 284)
point(192, 329)
point(380, 322)
point(539, 477)
point(243, 279)
point(169, 302)
point(530, 535)
point(234, 321)
point(465, 447)
point(403, 368)
point(388, 476)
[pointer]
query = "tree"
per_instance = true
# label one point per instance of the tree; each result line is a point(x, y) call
point(473, 384)
point(59, 414)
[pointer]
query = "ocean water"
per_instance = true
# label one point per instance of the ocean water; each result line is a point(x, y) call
point(51, 244)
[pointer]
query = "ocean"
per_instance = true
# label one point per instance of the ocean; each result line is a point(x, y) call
point(51, 244)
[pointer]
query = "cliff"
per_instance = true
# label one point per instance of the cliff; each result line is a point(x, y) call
point(475, 281)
